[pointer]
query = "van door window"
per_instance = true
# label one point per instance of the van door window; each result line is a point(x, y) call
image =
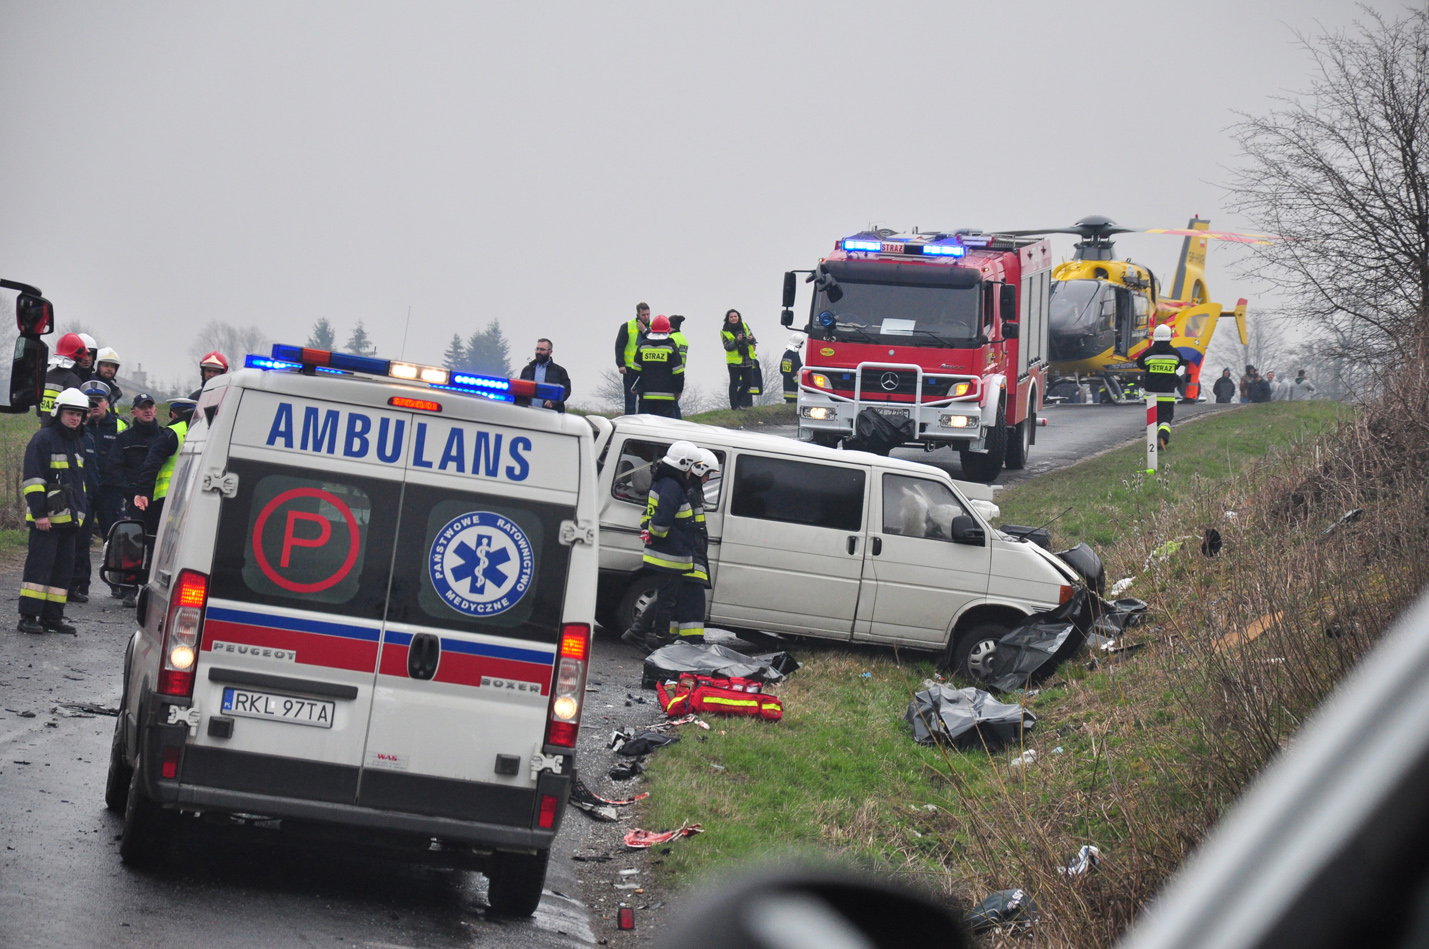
point(480, 563)
point(917, 507)
point(798, 492)
point(635, 468)
point(181, 487)
point(291, 537)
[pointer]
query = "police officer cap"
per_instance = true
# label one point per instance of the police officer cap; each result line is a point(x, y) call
point(95, 389)
point(182, 408)
point(143, 398)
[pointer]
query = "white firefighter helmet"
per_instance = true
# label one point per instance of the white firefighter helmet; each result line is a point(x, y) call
point(706, 464)
point(70, 398)
point(89, 342)
point(682, 455)
point(107, 354)
point(797, 340)
point(1162, 333)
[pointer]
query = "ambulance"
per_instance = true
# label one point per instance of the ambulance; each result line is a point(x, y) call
point(367, 616)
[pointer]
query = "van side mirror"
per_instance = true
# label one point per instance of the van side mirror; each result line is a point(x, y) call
point(967, 531)
point(1010, 330)
point(790, 289)
point(125, 554)
point(1007, 301)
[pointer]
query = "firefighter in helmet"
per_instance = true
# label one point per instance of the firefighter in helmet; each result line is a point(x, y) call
point(55, 506)
point(1162, 367)
point(212, 365)
point(106, 369)
point(61, 375)
point(789, 367)
point(659, 370)
point(688, 625)
point(668, 531)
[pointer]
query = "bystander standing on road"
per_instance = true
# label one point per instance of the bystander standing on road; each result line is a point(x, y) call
point(1225, 389)
point(544, 369)
point(107, 505)
point(158, 467)
point(746, 380)
point(660, 375)
point(53, 488)
point(1247, 380)
point(627, 341)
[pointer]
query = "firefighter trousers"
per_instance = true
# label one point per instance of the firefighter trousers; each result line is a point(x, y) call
point(665, 408)
point(659, 616)
point(688, 626)
point(49, 568)
point(83, 540)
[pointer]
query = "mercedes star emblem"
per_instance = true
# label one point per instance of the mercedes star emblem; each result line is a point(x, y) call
point(889, 381)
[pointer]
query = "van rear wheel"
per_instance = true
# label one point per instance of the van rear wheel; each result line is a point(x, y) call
point(516, 882)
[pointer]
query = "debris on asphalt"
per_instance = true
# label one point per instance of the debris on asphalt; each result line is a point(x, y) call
point(90, 708)
point(641, 742)
point(601, 808)
point(1087, 859)
point(712, 659)
point(639, 839)
point(967, 719)
point(1011, 910)
point(626, 770)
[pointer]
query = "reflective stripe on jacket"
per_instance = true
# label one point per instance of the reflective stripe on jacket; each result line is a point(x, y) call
point(1158, 367)
point(735, 352)
point(661, 370)
point(52, 480)
point(668, 518)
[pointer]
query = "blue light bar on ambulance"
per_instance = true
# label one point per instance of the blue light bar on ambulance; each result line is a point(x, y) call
point(493, 387)
point(862, 244)
point(263, 362)
point(945, 250)
point(322, 357)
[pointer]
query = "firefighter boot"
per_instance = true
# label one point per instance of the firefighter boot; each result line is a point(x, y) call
point(60, 626)
point(28, 624)
point(1163, 436)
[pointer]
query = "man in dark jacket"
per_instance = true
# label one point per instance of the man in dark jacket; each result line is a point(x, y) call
point(544, 369)
point(1224, 389)
point(659, 371)
point(53, 488)
point(127, 457)
point(1162, 366)
point(94, 457)
point(153, 480)
point(789, 366)
point(627, 341)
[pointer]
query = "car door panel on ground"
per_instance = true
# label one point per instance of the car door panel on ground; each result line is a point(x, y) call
point(793, 545)
point(923, 579)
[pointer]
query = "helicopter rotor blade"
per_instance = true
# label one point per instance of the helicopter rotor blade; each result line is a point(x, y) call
point(1218, 235)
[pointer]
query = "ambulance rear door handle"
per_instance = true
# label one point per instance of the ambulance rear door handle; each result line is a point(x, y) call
point(423, 655)
point(224, 482)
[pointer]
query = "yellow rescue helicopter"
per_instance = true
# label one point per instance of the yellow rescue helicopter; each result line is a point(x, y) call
point(1103, 310)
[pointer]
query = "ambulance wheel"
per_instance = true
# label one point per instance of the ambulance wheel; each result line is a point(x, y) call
point(638, 597)
point(972, 653)
point(516, 882)
point(147, 828)
point(116, 785)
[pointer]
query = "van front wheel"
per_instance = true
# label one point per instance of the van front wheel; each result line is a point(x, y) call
point(972, 653)
point(516, 882)
point(638, 597)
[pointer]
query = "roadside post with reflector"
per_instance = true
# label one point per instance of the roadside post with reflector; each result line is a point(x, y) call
point(1151, 433)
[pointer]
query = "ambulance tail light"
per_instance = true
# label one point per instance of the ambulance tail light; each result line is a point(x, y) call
point(183, 633)
point(563, 721)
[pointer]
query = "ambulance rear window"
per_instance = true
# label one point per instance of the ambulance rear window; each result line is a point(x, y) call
point(290, 538)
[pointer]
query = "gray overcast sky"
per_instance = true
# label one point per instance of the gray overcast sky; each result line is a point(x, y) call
point(551, 164)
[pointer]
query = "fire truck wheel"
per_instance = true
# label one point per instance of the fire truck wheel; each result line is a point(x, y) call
point(1020, 444)
point(985, 466)
point(516, 883)
point(972, 653)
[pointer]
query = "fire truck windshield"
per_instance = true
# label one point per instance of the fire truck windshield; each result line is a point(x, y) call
point(914, 315)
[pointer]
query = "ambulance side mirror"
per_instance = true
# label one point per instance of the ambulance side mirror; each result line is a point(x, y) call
point(124, 555)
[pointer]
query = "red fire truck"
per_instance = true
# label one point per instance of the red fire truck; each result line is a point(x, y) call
point(942, 334)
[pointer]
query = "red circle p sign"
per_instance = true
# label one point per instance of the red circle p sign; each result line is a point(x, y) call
point(295, 533)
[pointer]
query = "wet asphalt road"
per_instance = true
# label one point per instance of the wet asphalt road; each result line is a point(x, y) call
point(61, 882)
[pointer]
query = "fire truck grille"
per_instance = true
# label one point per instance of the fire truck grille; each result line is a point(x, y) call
point(890, 383)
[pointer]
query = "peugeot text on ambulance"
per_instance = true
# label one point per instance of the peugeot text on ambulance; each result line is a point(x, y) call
point(369, 607)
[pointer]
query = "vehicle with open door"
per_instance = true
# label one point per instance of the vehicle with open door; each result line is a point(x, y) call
point(366, 615)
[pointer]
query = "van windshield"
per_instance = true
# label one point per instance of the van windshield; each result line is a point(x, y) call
point(902, 314)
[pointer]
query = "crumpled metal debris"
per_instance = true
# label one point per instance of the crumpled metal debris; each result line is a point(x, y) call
point(1010, 910)
point(1041, 642)
point(966, 718)
point(1349, 517)
point(712, 659)
point(601, 808)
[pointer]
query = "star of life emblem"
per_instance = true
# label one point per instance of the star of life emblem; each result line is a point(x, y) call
point(481, 563)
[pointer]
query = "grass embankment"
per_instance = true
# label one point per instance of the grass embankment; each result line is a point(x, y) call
point(15, 433)
point(780, 414)
point(1136, 757)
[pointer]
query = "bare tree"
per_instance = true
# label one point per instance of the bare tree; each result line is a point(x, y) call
point(609, 392)
point(234, 342)
point(772, 391)
point(1342, 172)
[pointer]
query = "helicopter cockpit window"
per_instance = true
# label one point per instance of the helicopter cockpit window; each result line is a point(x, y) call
point(1074, 305)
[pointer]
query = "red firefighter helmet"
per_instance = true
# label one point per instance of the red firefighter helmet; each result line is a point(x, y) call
point(660, 324)
point(213, 360)
point(69, 346)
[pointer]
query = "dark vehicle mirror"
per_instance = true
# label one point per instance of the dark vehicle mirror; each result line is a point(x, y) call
point(786, 318)
point(124, 555)
point(1010, 331)
point(27, 374)
point(791, 287)
point(967, 531)
point(826, 283)
point(1007, 301)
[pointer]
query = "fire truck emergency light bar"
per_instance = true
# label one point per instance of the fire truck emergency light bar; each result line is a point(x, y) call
point(870, 246)
point(322, 360)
